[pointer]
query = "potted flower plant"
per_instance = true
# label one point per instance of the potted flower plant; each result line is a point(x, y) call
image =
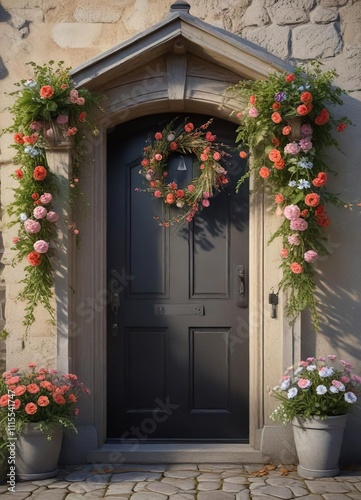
point(35, 406)
point(316, 395)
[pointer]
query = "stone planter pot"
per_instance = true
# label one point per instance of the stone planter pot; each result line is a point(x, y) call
point(36, 456)
point(318, 445)
point(54, 136)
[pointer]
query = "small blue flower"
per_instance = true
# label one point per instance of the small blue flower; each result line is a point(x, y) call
point(292, 184)
point(301, 88)
point(303, 184)
point(306, 164)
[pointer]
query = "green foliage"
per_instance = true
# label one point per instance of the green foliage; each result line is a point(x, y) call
point(47, 109)
point(316, 388)
point(293, 165)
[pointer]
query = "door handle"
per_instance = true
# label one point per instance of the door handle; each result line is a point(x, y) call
point(114, 304)
point(241, 286)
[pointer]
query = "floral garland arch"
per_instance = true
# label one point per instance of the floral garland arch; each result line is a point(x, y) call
point(184, 138)
point(48, 110)
point(284, 128)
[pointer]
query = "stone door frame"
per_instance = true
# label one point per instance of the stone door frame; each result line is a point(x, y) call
point(182, 64)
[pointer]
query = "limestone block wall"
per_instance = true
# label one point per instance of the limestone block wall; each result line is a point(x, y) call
point(295, 31)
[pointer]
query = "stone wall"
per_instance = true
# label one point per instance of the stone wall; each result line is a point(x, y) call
point(293, 30)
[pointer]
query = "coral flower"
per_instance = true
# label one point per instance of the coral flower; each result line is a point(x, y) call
point(320, 180)
point(31, 408)
point(290, 77)
point(59, 399)
point(276, 117)
point(242, 154)
point(306, 97)
point(296, 268)
point(39, 173)
point(274, 155)
point(43, 401)
point(279, 198)
point(264, 172)
point(302, 109)
point(280, 165)
point(18, 138)
point(46, 92)
point(286, 130)
point(170, 198)
point(33, 388)
point(312, 200)
point(34, 258)
point(188, 127)
point(323, 117)
point(19, 173)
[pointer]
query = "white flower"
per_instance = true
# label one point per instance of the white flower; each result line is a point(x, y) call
point(285, 385)
point(311, 368)
point(171, 137)
point(293, 392)
point(30, 83)
point(23, 217)
point(333, 389)
point(326, 371)
point(350, 397)
point(321, 389)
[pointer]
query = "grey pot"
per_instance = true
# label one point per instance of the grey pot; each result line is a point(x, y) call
point(318, 444)
point(36, 455)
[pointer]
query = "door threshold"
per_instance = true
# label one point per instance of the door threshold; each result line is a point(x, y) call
point(141, 453)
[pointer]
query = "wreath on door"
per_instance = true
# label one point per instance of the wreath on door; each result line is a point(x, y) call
point(184, 138)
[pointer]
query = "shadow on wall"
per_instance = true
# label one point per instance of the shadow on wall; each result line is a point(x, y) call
point(339, 286)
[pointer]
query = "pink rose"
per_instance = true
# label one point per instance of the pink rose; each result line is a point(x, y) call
point(284, 253)
point(40, 212)
point(46, 198)
point(310, 256)
point(304, 383)
point(80, 101)
point(73, 96)
point(158, 157)
point(205, 203)
point(253, 112)
point(35, 125)
point(291, 212)
point(298, 224)
point(217, 156)
point(52, 216)
point(292, 148)
point(62, 119)
point(41, 246)
point(32, 226)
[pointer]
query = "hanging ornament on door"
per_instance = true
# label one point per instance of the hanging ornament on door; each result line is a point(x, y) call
point(184, 139)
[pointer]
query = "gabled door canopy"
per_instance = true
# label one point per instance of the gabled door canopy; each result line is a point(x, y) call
point(179, 32)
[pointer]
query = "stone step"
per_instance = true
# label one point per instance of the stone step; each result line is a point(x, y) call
point(176, 453)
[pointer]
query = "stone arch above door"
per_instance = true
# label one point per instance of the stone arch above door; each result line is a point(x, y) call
point(185, 65)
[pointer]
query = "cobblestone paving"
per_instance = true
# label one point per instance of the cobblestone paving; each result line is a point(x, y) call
point(186, 482)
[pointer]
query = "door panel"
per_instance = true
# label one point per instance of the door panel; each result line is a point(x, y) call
point(177, 348)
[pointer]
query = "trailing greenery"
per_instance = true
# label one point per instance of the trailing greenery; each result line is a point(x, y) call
point(48, 111)
point(285, 129)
